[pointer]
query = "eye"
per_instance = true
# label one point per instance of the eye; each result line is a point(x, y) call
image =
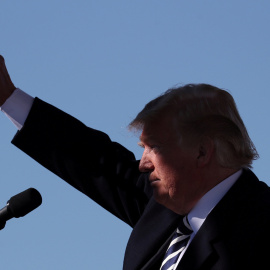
point(154, 147)
point(149, 147)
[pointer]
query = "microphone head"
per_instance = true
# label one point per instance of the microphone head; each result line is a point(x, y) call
point(24, 202)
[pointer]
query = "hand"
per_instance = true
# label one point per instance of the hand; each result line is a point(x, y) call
point(6, 85)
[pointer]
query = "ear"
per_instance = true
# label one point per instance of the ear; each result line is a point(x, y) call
point(206, 150)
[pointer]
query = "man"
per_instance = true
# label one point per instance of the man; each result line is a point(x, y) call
point(196, 160)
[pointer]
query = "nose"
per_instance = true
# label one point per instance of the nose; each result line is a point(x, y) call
point(146, 164)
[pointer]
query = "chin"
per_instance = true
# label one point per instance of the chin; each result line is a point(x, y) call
point(163, 199)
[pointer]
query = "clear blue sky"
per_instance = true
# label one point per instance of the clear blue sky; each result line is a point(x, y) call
point(101, 61)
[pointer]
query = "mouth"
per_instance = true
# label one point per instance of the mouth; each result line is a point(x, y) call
point(152, 181)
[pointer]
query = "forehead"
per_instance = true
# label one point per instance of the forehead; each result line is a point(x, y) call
point(160, 130)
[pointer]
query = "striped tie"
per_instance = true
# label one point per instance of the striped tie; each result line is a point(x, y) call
point(179, 241)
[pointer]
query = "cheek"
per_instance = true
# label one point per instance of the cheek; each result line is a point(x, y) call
point(171, 169)
point(174, 178)
point(171, 178)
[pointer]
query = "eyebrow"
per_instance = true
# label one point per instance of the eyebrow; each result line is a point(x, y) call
point(140, 144)
point(148, 140)
point(145, 139)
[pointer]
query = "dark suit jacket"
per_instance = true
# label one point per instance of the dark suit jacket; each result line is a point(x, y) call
point(235, 235)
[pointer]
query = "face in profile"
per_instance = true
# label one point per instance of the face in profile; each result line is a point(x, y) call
point(172, 166)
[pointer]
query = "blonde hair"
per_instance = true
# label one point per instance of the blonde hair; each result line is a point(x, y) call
point(200, 110)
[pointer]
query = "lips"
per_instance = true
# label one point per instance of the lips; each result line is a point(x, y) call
point(153, 180)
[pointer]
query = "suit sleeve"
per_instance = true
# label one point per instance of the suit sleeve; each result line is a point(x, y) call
point(87, 159)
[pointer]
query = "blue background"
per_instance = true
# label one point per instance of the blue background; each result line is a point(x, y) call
point(101, 61)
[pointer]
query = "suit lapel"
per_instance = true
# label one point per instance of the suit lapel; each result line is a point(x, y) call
point(149, 239)
point(156, 260)
point(199, 250)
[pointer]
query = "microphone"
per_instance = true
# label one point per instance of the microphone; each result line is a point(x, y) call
point(20, 205)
